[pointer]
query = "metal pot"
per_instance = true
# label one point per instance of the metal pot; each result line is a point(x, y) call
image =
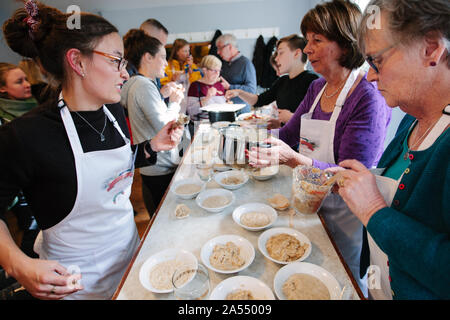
point(235, 139)
point(215, 116)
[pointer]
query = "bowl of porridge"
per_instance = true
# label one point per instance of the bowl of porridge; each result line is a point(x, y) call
point(187, 188)
point(231, 180)
point(215, 200)
point(255, 216)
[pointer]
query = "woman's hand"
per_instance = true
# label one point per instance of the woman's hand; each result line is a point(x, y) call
point(167, 89)
point(278, 153)
point(45, 279)
point(177, 95)
point(168, 137)
point(359, 190)
point(225, 83)
point(284, 115)
point(273, 123)
point(231, 94)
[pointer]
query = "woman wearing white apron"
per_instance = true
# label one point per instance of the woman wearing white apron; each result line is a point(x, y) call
point(343, 116)
point(406, 211)
point(72, 159)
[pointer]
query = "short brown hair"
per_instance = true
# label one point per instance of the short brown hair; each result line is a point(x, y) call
point(52, 38)
point(295, 42)
point(338, 21)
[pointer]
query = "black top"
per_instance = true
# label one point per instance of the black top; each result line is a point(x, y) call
point(288, 93)
point(36, 157)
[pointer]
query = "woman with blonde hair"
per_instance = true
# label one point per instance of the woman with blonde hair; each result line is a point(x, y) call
point(206, 90)
point(15, 92)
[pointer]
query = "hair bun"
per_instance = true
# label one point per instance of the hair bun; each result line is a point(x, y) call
point(17, 34)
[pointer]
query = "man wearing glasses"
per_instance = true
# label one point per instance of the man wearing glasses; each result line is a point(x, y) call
point(238, 71)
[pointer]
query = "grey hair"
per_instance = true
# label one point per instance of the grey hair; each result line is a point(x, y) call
point(227, 38)
point(408, 20)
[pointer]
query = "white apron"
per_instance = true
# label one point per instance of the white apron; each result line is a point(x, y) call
point(317, 142)
point(99, 237)
point(388, 188)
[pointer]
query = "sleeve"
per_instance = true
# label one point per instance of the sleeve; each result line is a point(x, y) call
point(364, 132)
point(155, 111)
point(415, 248)
point(196, 74)
point(249, 80)
point(141, 159)
point(167, 76)
point(13, 170)
point(267, 96)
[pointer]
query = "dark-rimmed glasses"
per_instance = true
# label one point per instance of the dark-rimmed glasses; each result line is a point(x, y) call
point(371, 58)
point(121, 62)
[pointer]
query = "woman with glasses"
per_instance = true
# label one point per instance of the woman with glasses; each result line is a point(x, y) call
point(405, 208)
point(289, 90)
point(72, 158)
point(206, 90)
point(343, 116)
point(147, 110)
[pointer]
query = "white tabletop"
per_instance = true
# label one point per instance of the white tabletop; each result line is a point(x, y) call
point(166, 231)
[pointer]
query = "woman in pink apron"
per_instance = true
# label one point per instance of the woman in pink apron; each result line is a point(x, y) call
point(343, 116)
point(406, 209)
point(73, 159)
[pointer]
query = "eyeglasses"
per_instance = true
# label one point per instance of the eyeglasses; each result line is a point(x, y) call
point(213, 70)
point(371, 59)
point(222, 47)
point(121, 62)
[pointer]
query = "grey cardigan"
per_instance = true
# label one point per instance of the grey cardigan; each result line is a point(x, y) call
point(148, 113)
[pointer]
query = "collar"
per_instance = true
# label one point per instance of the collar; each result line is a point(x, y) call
point(235, 57)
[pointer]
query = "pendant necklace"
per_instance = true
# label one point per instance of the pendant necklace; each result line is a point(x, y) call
point(340, 87)
point(406, 156)
point(102, 137)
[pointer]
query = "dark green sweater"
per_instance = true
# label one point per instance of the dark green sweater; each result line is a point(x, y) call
point(415, 231)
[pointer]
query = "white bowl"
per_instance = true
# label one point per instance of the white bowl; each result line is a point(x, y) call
point(181, 182)
point(144, 274)
point(215, 192)
point(247, 251)
point(227, 174)
point(265, 173)
point(307, 268)
point(258, 288)
point(254, 207)
point(266, 235)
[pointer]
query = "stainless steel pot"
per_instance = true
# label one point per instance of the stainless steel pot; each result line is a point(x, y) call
point(235, 139)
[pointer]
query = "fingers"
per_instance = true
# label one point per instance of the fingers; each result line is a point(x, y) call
point(353, 164)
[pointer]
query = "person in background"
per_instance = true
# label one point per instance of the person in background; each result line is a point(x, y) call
point(155, 29)
point(72, 158)
point(405, 208)
point(35, 75)
point(289, 90)
point(15, 92)
point(147, 110)
point(238, 72)
point(343, 116)
point(206, 90)
point(181, 67)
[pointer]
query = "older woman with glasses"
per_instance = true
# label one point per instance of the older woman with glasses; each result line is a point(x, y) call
point(206, 90)
point(72, 158)
point(343, 116)
point(405, 209)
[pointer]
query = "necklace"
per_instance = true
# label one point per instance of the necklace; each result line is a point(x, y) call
point(338, 89)
point(102, 137)
point(406, 156)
